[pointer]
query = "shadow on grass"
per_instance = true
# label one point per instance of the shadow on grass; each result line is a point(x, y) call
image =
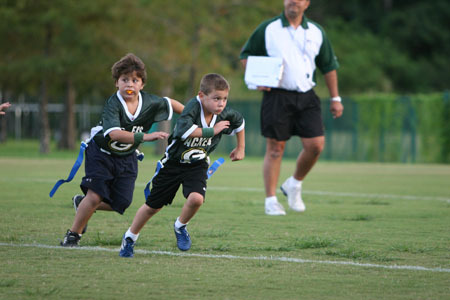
point(309, 242)
point(358, 218)
point(354, 254)
point(8, 283)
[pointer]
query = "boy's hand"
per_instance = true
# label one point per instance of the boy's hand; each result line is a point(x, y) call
point(237, 154)
point(157, 135)
point(221, 126)
point(4, 106)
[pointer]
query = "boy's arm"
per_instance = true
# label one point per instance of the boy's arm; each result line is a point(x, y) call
point(177, 106)
point(210, 132)
point(127, 137)
point(4, 106)
point(239, 152)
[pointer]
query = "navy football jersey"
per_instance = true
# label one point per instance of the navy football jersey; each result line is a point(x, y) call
point(183, 149)
point(151, 109)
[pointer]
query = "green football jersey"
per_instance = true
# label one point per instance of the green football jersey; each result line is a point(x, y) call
point(184, 149)
point(151, 109)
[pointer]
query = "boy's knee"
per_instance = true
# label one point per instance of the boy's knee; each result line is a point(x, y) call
point(195, 199)
point(148, 210)
point(93, 197)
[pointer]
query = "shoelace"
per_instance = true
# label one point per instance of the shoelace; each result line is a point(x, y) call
point(182, 231)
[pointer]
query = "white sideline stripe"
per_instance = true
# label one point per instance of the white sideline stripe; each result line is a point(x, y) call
point(267, 258)
point(261, 190)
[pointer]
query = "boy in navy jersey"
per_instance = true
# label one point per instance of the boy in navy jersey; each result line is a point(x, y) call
point(197, 133)
point(111, 162)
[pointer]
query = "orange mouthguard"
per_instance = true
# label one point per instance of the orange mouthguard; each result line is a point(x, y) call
point(129, 92)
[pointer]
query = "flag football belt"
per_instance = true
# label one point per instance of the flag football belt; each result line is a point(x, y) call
point(77, 164)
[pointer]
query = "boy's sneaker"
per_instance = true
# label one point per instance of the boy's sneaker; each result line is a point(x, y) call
point(274, 208)
point(294, 195)
point(183, 238)
point(76, 202)
point(71, 239)
point(127, 248)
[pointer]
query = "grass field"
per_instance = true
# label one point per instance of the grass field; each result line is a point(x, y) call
point(370, 231)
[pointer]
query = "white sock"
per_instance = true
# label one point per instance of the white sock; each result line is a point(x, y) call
point(131, 235)
point(271, 199)
point(295, 182)
point(178, 224)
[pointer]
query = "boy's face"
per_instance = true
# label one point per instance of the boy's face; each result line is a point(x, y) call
point(129, 85)
point(215, 102)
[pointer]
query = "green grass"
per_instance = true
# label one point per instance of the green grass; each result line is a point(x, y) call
point(360, 220)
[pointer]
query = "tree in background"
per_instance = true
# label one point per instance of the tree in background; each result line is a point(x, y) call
point(61, 51)
point(416, 32)
point(57, 50)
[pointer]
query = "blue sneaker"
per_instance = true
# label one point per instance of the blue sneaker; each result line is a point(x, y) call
point(127, 248)
point(183, 238)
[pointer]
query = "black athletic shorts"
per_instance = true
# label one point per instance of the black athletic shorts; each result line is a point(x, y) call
point(166, 183)
point(287, 113)
point(112, 177)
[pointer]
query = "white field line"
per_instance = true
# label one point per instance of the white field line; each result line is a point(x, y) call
point(235, 257)
point(261, 190)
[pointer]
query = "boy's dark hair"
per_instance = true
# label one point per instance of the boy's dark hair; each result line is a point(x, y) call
point(128, 64)
point(211, 82)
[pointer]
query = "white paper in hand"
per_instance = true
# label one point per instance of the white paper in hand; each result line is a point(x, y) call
point(263, 71)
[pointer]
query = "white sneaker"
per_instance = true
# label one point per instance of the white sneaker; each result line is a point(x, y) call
point(294, 195)
point(274, 208)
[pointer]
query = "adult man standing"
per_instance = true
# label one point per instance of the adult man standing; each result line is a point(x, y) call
point(293, 108)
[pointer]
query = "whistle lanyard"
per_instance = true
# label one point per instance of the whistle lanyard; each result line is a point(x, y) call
point(296, 43)
point(301, 48)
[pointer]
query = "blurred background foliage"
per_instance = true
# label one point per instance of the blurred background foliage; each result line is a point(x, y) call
point(61, 51)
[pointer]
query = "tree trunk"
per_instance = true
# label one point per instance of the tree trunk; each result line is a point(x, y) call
point(43, 100)
point(3, 128)
point(43, 117)
point(67, 140)
point(195, 42)
point(388, 5)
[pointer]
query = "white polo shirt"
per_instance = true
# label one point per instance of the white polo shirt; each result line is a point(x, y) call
point(302, 49)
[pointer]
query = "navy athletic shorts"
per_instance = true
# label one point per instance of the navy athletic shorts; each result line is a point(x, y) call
point(166, 183)
point(286, 113)
point(112, 177)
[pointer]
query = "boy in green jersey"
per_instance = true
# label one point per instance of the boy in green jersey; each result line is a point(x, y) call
point(111, 162)
point(197, 133)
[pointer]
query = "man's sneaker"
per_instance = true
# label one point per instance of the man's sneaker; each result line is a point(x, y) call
point(274, 208)
point(71, 239)
point(127, 248)
point(183, 238)
point(76, 202)
point(294, 195)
